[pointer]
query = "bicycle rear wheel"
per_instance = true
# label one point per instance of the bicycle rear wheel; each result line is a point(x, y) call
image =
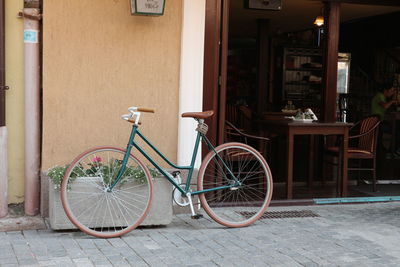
point(96, 209)
point(247, 198)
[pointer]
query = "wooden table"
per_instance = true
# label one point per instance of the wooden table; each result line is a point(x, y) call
point(291, 128)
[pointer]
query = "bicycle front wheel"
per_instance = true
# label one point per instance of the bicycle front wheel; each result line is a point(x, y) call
point(239, 184)
point(97, 208)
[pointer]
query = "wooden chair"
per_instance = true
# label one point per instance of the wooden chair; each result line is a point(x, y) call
point(362, 146)
point(234, 134)
point(239, 115)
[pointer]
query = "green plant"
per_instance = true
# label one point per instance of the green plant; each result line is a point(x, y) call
point(108, 172)
point(56, 175)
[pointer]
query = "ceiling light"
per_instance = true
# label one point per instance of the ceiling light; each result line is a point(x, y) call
point(319, 21)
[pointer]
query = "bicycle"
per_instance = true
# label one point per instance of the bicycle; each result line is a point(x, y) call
point(115, 188)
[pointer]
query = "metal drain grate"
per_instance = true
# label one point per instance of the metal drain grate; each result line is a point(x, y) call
point(281, 214)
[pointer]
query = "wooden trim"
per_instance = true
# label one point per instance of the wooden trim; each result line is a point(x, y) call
point(223, 70)
point(368, 2)
point(2, 65)
point(211, 64)
point(332, 17)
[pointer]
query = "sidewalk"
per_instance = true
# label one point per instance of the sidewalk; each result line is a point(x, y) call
point(342, 235)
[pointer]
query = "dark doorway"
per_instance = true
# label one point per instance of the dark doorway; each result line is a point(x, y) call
point(244, 62)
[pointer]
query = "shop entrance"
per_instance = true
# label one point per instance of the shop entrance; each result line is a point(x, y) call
point(263, 63)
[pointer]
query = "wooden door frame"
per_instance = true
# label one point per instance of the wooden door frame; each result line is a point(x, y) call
point(367, 2)
point(215, 61)
point(211, 64)
point(215, 66)
point(331, 50)
point(223, 70)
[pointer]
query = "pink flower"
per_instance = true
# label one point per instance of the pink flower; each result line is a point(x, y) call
point(96, 159)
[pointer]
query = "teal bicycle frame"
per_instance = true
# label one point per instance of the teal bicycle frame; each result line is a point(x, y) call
point(170, 178)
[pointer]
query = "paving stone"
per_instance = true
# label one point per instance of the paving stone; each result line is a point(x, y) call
point(134, 259)
point(10, 260)
point(343, 235)
point(99, 259)
point(47, 263)
point(83, 262)
point(117, 242)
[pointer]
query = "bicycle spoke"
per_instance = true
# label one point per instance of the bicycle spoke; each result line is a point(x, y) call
point(122, 212)
point(93, 206)
point(252, 193)
point(130, 204)
point(94, 212)
point(125, 204)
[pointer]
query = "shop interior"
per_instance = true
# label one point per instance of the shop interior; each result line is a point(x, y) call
point(275, 64)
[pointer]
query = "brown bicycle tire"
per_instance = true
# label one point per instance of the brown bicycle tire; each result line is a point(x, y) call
point(81, 226)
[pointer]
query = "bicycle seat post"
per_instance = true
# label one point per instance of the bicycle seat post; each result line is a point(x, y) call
point(201, 126)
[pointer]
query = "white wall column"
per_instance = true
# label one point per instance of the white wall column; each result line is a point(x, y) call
point(191, 76)
point(3, 172)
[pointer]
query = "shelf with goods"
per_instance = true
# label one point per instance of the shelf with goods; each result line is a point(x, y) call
point(302, 76)
point(304, 69)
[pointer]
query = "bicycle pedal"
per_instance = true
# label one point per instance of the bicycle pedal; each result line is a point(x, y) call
point(197, 216)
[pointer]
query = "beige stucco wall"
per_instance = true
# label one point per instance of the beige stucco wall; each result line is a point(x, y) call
point(15, 100)
point(98, 61)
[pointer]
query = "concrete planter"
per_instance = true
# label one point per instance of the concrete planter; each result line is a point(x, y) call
point(160, 213)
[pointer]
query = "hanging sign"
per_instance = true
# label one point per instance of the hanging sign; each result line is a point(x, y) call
point(148, 7)
point(264, 4)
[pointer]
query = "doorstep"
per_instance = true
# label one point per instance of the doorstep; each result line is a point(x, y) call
point(19, 223)
point(16, 220)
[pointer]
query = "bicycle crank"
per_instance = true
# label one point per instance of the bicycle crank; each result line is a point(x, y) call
point(179, 199)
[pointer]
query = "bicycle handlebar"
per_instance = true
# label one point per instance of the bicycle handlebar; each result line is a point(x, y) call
point(148, 110)
point(135, 109)
point(134, 115)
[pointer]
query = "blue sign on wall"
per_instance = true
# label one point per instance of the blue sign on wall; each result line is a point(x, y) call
point(31, 36)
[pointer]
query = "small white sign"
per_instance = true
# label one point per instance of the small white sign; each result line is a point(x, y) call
point(265, 4)
point(31, 36)
point(147, 7)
